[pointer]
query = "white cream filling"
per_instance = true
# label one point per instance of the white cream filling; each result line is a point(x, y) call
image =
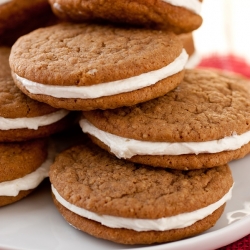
point(32, 122)
point(126, 148)
point(162, 224)
point(193, 5)
point(29, 181)
point(109, 88)
point(4, 1)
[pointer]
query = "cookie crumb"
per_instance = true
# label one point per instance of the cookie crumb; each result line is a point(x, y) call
point(92, 72)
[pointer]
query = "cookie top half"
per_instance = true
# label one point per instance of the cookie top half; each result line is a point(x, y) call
point(13, 103)
point(90, 66)
point(178, 16)
point(205, 106)
point(88, 54)
point(90, 178)
point(21, 158)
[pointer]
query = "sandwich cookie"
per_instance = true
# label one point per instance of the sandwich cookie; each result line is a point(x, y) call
point(19, 17)
point(22, 118)
point(88, 66)
point(130, 203)
point(23, 165)
point(176, 15)
point(204, 122)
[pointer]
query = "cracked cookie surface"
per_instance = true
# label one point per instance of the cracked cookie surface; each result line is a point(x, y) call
point(150, 13)
point(85, 55)
point(13, 103)
point(205, 106)
point(89, 177)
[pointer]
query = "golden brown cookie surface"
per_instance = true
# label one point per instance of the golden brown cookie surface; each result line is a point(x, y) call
point(13, 103)
point(204, 107)
point(83, 55)
point(21, 158)
point(74, 175)
point(156, 14)
point(89, 178)
point(66, 54)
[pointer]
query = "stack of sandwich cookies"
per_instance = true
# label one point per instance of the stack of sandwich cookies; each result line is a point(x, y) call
point(128, 81)
point(122, 70)
point(23, 166)
point(129, 203)
point(202, 123)
point(178, 16)
point(25, 125)
point(90, 66)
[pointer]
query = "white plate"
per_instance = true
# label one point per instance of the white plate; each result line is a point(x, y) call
point(34, 223)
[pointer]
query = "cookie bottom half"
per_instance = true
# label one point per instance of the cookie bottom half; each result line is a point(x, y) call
point(187, 161)
point(6, 200)
point(24, 134)
point(127, 236)
point(109, 102)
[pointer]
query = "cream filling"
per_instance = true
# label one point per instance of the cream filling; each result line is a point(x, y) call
point(109, 88)
point(4, 1)
point(29, 181)
point(161, 224)
point(193, 5)
point(126, 148)
point(32, 122)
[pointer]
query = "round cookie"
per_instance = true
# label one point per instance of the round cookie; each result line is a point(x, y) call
point(129, 203)
point(22, 118)
point(89, 66)
point(178, 16)
point(23, 166)
point(204, 122)
point(19, 17)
